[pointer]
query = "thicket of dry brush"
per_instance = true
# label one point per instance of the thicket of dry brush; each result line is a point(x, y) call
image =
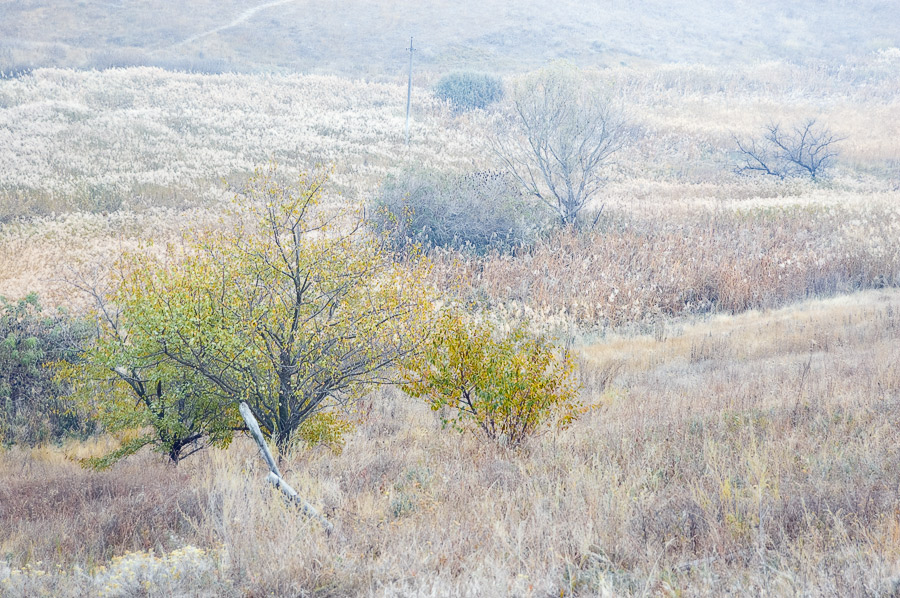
point(638, 269)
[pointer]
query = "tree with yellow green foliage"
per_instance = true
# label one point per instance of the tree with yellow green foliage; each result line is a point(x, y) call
point(501, 385)
point(291, 309)
point(126, 384)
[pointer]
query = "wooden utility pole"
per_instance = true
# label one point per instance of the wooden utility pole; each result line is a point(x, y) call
point(409, 90)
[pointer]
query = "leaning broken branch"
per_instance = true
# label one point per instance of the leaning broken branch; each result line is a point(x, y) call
point(257, 435)
point(274, 476)
point(295, 498)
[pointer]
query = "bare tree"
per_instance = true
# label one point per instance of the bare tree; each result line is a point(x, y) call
point(807, 149)
point(556, 139)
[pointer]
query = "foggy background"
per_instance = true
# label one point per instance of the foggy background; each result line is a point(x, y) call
point(368, 38)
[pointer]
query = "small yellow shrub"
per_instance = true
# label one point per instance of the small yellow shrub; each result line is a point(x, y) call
point(503, 385)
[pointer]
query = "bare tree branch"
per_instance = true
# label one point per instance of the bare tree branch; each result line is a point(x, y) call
point(557, 138)
point(805, 150)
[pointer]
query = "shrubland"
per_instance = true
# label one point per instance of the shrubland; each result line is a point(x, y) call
point(749, 452)
point(158, 145)
point(700, 374)
point(638, 269)
point(476, 212)
point(469, 91)
point(32, 407)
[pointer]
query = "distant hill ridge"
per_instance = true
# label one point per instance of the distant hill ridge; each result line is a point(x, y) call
point(368, 38)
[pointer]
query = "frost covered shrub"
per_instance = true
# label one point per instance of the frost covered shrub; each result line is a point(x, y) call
point(469, 91)
point(477, 211)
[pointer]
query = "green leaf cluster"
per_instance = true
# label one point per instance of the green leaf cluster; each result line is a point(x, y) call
point(125, 383)
point(31, 407)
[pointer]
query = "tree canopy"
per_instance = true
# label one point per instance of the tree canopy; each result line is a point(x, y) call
point(290, 308)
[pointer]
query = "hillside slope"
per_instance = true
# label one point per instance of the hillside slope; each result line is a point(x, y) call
point(369, 37)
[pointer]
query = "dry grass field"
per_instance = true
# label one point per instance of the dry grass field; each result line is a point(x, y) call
point(737, 339)
point(157, 150)
point(754, 454)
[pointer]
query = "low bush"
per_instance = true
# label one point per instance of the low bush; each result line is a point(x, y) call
point(804, 149)
point(32, 407)
point(502, 385)
point(478, 211)
point(469, 91)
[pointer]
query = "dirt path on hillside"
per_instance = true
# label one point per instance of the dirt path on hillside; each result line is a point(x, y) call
point(241, 18)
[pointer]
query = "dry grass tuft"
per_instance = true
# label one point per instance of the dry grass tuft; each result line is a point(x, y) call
point(53, 511)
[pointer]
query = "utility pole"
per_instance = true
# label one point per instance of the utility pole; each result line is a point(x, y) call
point(409, 90)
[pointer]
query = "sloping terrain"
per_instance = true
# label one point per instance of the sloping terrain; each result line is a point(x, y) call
point(369, 37)
point(745, 455)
